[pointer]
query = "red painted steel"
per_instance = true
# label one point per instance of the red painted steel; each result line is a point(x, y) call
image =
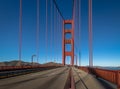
point(8, 68)
point(118, 79)
point(63, 44)
point(46, 32)
point(90, 34)
point(37, 31)
point(20, 32)
point(79, 30)
point(68, 31)
point(84, 69)
point(51, 27)
point(70, 41)
point(112, 76)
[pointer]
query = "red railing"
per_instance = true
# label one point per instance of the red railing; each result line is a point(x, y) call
point(112, 76)
point(4, 68)
point(86, 69)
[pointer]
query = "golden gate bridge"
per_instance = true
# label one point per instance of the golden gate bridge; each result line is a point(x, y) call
point(72, 76)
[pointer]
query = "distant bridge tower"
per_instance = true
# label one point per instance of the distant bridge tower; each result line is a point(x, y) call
point(68, 41)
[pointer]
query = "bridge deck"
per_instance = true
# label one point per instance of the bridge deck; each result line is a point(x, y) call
point(55, 79)
point(84, 80)
point(48, 79)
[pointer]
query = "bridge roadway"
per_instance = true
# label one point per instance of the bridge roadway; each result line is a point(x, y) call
point(55, 79)
point(48, 79)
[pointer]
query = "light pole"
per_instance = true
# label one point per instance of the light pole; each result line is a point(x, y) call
point(32, 58)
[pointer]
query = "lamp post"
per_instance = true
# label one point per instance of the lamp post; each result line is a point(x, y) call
point(32, 58)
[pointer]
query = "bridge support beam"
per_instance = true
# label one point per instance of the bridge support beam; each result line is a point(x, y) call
point(68, 41)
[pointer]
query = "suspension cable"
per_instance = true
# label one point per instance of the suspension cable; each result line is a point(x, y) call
point(58, 9)
point(79, 38)
point(77, 18)
point(54, 32)
point(75, 25)
point(90, 34)
point(51, 28)
point(37, 32)
point(46, 27)
point(20, 32)
point(57, 34)
point(73, 14)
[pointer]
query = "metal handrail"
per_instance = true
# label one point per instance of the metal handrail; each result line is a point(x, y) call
point(112, 76)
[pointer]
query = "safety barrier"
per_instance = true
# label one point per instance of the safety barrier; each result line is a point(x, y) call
point(112, 76)
point(11, 71)
point(9, 68)
point(70, 83)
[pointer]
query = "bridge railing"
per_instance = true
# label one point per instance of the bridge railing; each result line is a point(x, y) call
point(8, 68)
point(11, 71)
point(112, 76)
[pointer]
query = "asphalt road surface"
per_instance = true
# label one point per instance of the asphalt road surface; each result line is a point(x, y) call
point(48, 79)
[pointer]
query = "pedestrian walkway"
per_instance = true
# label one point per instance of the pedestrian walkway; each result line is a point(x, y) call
point(84, 80)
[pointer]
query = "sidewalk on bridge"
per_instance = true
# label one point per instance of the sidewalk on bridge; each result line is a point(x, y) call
point(84, 80)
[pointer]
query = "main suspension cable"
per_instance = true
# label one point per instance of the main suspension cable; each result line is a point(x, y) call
point(58, 9)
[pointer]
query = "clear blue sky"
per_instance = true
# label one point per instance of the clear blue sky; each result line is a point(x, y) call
point(106, 30)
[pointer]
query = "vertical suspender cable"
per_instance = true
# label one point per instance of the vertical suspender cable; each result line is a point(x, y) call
point(79, 38)
point(54, 33)
point(90, 35)
point(61, 31)
point(59, 37)
point(51, 29)
point(77, 30)
point(60, 22)
point(37, 31)
point(20, 32)
point(57, 34)
point(73, 10)
point(74, 18)
point(46, 27)
point(75, 25)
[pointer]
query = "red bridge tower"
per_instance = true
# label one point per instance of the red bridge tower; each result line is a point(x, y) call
point(68, 41)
